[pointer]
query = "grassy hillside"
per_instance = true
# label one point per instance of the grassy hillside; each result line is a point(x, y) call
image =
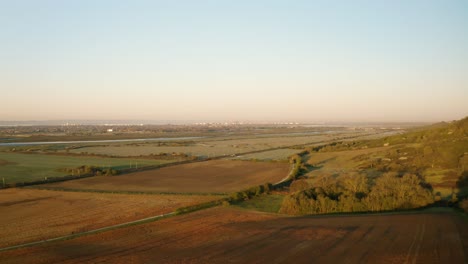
point(437, 153)
point(399, 172)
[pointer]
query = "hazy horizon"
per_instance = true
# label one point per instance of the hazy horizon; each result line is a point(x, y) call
point(340, 61)
point(120, 122)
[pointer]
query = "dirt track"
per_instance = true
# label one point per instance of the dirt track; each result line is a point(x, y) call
point(222, 235)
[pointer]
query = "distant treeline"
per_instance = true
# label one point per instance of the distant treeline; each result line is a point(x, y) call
point(93, 170)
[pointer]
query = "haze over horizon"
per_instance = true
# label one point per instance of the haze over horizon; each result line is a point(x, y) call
point(324, 61)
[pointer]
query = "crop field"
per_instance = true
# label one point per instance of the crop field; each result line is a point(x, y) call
point(221, 235)
point(16, 167)
point(216, 176)
point(271, 155)
point(29, 215)
point(209, 147)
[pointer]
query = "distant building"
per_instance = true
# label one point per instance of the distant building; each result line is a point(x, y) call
point(110, 130)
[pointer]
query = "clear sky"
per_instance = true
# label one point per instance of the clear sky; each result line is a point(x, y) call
point(234, 60)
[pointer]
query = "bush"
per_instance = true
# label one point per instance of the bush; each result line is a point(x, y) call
point(464, 205)
point(299, 185)
point(390, 192)
point(250, 192)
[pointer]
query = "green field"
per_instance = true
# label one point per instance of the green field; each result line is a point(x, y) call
point(205, 147)
point(15, 167)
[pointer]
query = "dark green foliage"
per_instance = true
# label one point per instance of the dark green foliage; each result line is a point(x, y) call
point(296, 160)
point(391, 192)
point(463, 180)
point(354, 193)
point(267, 187)
point(250, 192)
point(464, 205)
point(91, 170)
point(196, 207)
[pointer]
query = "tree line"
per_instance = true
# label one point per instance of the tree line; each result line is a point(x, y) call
point(357, 193)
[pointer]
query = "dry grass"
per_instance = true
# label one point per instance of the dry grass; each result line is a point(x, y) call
point(336, 163)
point(208, 148)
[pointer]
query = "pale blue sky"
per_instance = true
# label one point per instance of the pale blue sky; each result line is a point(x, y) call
point(234, 60)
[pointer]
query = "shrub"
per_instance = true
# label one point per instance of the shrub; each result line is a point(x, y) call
point(299, 185)
point(464, 205)
point(390, 192)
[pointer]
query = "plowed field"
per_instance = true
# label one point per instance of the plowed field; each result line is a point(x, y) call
point(222, 235)
point(217, 176)
point(32, 215)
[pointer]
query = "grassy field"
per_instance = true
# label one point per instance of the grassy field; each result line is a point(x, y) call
point(31, 215)
point(216, 176)
point(207, 147)
point(335, 163)
point(264, 203)
point(440, 182)
point(15, 167)
point(221, 235)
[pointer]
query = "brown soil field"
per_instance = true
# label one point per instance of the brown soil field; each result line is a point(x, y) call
point(29, 215)
point(221, 235)
point(216, 176)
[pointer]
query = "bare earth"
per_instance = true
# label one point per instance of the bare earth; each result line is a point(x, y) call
point(32, 215)
point(217, 176)
point(222, 235)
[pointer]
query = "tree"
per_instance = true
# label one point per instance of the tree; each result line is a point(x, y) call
point(464, 205)
point(299, 185)
point(356, 183)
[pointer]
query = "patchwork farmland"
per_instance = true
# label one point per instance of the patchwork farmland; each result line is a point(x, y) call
point(221, 210)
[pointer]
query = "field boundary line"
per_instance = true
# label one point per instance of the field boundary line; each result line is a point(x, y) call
point(121, 192)
point(90, 232)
